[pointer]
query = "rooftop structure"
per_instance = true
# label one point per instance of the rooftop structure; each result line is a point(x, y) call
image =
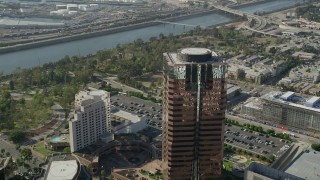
point(191, 56)
point(292, 99)
point(58, 170)
point(287, 95)
point(313, 102)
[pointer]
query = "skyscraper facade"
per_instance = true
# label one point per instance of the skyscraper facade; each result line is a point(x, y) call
point(91, 118)
point(194, 103)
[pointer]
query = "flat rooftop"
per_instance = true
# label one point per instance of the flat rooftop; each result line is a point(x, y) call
point(126, 115)
point(270, 173)
point(195, 51)
point(254, 103)
point(307, 166)
point(192, 56)
point(293, 99)
point(62, 170)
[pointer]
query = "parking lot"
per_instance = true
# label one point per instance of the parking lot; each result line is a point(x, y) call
point(140, 107)
point(255, 142)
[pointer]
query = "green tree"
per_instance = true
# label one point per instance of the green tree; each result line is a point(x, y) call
point(11, 85)
point(26, 154)
point(103, 173)
point(16, 136)
point(272, 158)
point(17, 147)
point(273, 50)
point(315, 147)
point(67, 150)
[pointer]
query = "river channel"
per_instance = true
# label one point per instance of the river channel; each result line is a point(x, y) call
point(32, 57)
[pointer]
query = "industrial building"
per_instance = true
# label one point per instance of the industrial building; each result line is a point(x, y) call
point(287, 109)
point(194, 104)
point(91, 118)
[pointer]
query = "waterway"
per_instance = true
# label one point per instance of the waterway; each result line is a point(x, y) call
point(32, 57)
point(50, 20)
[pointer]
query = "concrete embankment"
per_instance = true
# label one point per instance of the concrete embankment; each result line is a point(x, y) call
point(97, 33)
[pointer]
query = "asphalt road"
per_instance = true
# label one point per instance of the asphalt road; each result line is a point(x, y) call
point(9, 147)
point(124, 87)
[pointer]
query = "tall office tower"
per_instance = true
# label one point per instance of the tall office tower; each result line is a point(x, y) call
point(91, 118)
point(193, 115)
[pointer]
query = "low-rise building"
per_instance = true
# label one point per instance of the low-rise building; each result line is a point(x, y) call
point(286, 109)
point(309, 73)
point(58, 170)
point(255, 70)
point(304, 55)
point(125, 122)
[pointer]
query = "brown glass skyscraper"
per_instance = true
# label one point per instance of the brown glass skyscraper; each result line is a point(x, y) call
point(193, 116)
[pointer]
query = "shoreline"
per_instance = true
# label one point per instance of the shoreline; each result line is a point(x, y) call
point(58, 40)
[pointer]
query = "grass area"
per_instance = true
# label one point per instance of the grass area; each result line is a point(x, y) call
point(228, 165)
point(248, 162)
point(152, 176)
point(155, 176)
point(144, 172)
point(40, 148)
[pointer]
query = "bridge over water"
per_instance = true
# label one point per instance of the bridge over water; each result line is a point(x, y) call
point(260, 21)
point(180, 24)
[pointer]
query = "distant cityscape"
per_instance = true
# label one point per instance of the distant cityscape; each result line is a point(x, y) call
point(239, 99)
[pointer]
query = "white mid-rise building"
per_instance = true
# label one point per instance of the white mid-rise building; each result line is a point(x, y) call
point(91, 118)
